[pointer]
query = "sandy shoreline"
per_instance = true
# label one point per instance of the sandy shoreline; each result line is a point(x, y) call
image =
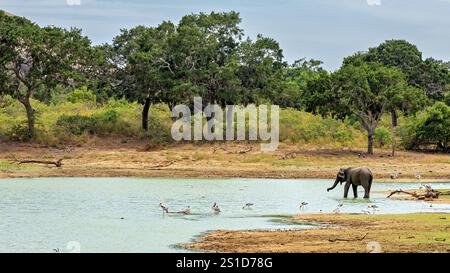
point(342, 233)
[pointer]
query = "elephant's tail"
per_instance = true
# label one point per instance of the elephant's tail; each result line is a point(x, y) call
point(370, 182)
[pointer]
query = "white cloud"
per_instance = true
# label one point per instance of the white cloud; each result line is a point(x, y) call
point(374, 2)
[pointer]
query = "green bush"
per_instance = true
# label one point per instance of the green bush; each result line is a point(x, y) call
point(75, 124)
point(383, 137)
point(430, 127)
point(19, 132)
point(302, 127)
point(160, 123)
point(81, 95)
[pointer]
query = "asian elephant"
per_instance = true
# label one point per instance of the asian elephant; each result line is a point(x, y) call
point(354, 177)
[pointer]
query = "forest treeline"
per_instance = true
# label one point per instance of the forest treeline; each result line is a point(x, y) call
point(67, 86)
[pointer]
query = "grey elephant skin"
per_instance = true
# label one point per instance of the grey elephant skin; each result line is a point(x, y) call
point(354, 177)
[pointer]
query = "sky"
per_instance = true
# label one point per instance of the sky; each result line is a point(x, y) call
point(327, 30)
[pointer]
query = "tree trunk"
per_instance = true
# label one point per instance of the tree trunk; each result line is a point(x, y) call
point(394, 118)
point(30, 116)
point(370, 134)
point(145, 111)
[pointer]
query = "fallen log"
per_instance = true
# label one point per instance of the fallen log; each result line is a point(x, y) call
point(429, 194)
point(348, 240)
point(243, 151)
point(57, 163)
point(162, 165)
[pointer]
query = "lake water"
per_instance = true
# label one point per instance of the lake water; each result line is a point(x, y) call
point(42, 214)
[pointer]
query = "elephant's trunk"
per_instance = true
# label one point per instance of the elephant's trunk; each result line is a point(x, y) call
point(334, 185)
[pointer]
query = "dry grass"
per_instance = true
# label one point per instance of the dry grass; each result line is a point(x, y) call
point(111, 157)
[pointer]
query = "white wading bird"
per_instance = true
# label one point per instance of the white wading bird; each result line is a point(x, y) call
point(337, 209)
point(164, 208)
point(186, 210)
point(215, 208)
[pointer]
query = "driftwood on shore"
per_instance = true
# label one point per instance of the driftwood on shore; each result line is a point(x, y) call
point(242, 151)
point(289, 155)
point(162, 165)
point(428, 194)
point(57, 163)
point(348, 240)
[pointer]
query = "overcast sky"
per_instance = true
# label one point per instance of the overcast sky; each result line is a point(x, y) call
point(327, 30)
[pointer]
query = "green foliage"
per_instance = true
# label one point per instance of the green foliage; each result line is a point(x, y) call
point(302, 127)
point(383, 137)
point(75, 124)
point(430, 75)
point(36, 59)
point(18, 132)
point(159, 125)
point(82, 95)
point(430, 127)
point(205, 55)
point(447, 98)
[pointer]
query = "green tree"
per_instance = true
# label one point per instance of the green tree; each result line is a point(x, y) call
point(431, 75)
point(261, 71)
point(36, 58)
point(367, 91)
point(142, 61)
point(205, 53)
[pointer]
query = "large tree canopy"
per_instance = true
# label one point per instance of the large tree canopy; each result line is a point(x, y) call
point(431, 75)
point(34, 57)
point(368, 91)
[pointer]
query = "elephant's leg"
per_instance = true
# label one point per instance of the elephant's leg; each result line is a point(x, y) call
point(367, 191)
point(355, 191)
point(346, 188)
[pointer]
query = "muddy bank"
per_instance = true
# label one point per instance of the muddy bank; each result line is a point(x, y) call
point(340, 233)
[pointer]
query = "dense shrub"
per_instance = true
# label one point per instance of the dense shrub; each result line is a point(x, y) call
point(302, 127)
point(431, 127)
point(75, 124)
point(18, 132)
point(82, 95)
point(382, 137)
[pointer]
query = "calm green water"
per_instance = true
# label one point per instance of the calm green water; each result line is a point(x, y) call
point(39, 215)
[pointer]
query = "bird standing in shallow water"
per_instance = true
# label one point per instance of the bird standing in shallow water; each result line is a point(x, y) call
point(186, 211)
point(337, 209)
point(303, 205)
point(216, 208)
point(164, 208)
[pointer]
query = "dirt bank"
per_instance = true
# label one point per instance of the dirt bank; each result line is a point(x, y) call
point(343, 233)
point(117, 158)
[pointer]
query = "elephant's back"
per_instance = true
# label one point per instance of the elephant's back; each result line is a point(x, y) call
point(363, 170)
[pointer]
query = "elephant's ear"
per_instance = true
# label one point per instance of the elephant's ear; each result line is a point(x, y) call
point(346, 171)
